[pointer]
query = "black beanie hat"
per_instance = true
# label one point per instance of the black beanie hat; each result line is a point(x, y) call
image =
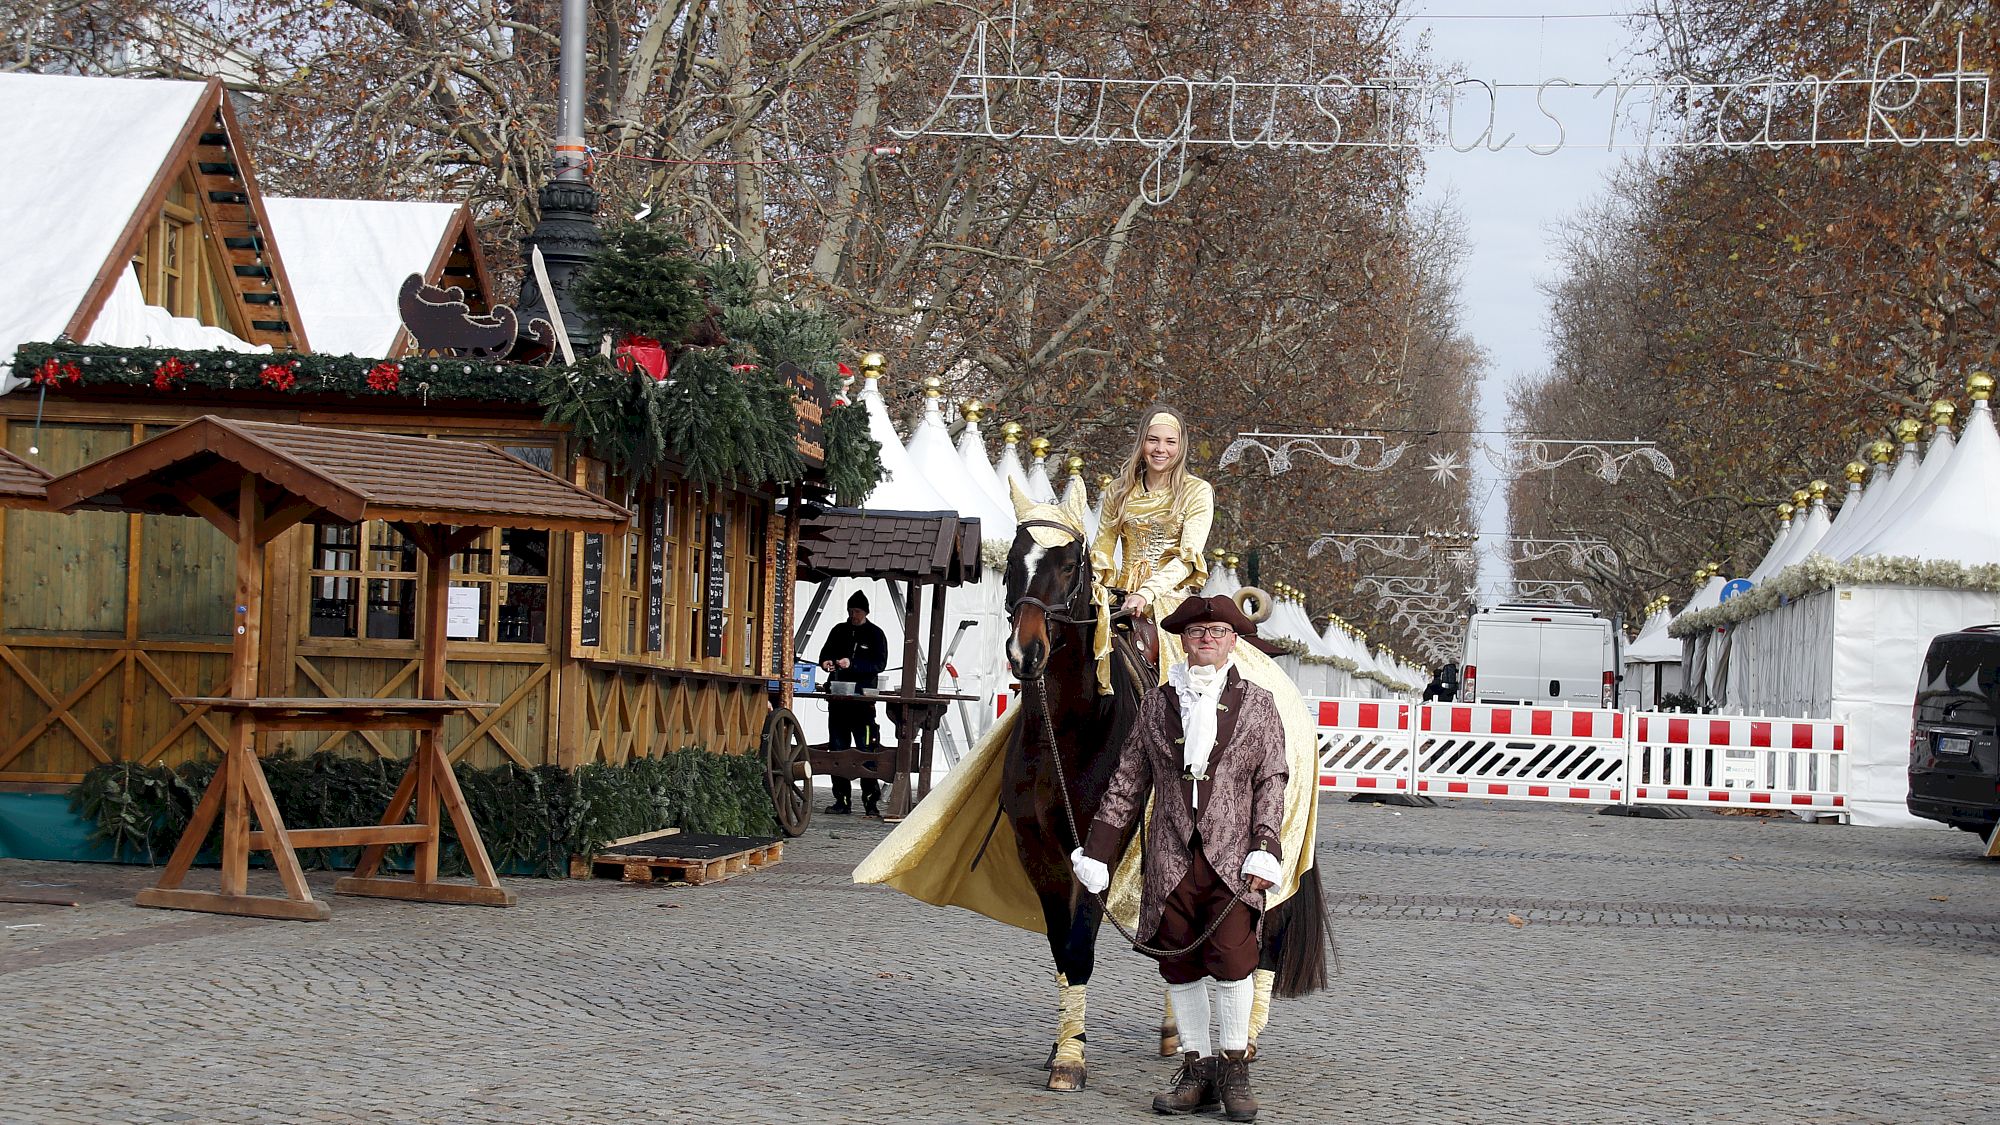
point(858, 601)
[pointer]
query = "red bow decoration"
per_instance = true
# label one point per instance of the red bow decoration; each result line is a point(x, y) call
point(53, 371)
point(641, 353)
point(170, 372)
point(743, 367)
point(385, 376)
point(279, 376)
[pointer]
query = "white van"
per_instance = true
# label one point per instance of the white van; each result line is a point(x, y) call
point(1539, 654)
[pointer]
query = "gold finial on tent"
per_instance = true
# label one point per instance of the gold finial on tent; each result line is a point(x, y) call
point(1980, 386)
point(1856, 472)
point(1942, 412)
point(1880, 451)
point(972, 411)
point(1907, 430)
point(1010, 432)
point(871, 365)
point(1232, 562)
point(1104, 484)
point(933, 387)
point(1799, 496)
point(1075, 465)
point(1785, 511)
point(1038, 447)
point(1819, 489)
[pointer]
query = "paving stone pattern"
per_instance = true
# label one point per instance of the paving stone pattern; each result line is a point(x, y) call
point(1498, 964)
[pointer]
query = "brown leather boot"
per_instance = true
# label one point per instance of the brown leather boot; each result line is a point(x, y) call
point(1193, 1089)
point(1232, 1085)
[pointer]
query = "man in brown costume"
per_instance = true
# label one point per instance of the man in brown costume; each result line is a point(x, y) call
point(1209, 749)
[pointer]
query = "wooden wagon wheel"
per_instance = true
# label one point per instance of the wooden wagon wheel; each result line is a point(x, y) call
point(788, 771)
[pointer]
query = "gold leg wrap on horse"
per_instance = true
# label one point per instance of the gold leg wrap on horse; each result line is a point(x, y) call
point(1170, 1031)
point(1069, 1024)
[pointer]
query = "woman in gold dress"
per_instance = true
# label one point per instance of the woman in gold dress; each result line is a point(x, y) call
point(1155, 527)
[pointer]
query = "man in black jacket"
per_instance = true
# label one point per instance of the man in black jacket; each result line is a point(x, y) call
point(855, 652)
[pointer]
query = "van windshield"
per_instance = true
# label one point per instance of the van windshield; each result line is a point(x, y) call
point(1958, 684)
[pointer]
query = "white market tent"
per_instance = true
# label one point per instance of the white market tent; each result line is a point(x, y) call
point(1853, 650)
point(1809, 529)
point(1653, 660)
point(1779, 544)
point(1040, 488)
point(1895, 492)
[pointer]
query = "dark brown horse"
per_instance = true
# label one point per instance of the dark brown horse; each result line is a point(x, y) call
point(1049, 649)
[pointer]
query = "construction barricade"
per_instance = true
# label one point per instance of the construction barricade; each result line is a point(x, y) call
point(1581, 756)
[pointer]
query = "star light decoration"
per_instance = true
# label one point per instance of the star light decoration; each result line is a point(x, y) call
point(1608, 459)
point(1444, 467)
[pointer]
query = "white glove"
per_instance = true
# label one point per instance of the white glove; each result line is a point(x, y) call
point(1093, 875)
point(1263, 865)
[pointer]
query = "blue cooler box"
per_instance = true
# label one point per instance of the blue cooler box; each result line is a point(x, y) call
point(805, 674)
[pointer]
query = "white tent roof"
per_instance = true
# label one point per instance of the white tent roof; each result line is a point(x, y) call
point(348, 257)
point(1955, 519)
point(126, 319)
point(1011, 469)
point(978, 466)
point(1807, 534)
point(1653, 645)
point(902, 487)
point(1895, 498)
point(1855, 512)
point(91, 149)
point(935, 460)
point(1708, 597)
point(1936, 459)
point(1780, 543)
point(1039, 486)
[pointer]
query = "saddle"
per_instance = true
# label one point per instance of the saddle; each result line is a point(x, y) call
point(1136, 642)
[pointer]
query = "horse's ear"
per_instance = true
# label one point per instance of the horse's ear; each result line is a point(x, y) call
point(1022, 505)
point(1077, 512)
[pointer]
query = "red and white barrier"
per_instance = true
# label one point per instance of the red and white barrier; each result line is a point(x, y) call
point(1735, 760)
point(1364, 745)
point(1590, 756)
point(1521, 753)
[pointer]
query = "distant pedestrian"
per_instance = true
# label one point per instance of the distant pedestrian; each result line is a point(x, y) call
point(1443, 687)
point(855, 652)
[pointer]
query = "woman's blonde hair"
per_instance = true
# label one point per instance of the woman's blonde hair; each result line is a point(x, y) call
point(1132, 478)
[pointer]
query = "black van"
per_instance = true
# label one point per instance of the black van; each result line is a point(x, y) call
point(1955, 740)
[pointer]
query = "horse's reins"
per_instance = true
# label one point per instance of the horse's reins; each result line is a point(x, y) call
point(1041, 704)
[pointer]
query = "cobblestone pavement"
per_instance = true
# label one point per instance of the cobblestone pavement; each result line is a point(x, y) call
point(1505, 964)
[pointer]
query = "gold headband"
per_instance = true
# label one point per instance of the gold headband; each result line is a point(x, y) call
point(1164, 419)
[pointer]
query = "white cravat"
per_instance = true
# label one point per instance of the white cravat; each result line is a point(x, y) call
point(1200, 691)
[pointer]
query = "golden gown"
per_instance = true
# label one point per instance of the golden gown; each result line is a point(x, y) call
point(929, 856)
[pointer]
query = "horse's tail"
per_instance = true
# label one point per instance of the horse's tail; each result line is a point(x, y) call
point(1298, 939)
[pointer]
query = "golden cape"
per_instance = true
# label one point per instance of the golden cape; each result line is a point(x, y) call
point(929, 856)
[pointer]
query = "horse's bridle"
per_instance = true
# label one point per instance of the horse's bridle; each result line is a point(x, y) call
point(1077, 584)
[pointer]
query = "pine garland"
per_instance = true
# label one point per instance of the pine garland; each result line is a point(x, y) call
point(532, 820)
point(423, 378)
point(853, 456)
point(641, 283)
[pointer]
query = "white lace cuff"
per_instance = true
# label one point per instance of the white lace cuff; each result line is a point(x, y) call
point(1093, 875)
point(1263, 865)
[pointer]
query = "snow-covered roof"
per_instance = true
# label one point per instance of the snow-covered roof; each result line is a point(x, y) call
point(348, 257)
point(101, 155)
point(902, 488)
point(126, 319)
point(94, 148)
point(1955, 520)
point(1653, 645)
point(934, 459)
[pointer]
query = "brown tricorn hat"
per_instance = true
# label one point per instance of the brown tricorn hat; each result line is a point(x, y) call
point(1218, 610)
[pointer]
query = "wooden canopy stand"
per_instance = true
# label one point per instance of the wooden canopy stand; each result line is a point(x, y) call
point(441, 495)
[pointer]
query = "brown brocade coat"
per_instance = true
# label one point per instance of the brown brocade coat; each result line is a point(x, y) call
point(1242, 805)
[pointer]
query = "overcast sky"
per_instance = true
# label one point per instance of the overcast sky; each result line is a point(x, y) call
point(1510, 199)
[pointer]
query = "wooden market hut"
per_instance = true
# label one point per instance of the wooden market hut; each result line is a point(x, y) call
point(590, 647)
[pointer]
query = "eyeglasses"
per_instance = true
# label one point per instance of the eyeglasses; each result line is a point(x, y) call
point(1197, 632)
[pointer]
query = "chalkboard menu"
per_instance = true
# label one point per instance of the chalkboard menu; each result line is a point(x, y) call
point(781, 601)
point(590, 622)
point(812, 405)
point(715, 589)
point(656, 580)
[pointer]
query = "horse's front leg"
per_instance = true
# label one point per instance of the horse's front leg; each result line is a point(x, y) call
point(1170, 1031)
point(1073, 941)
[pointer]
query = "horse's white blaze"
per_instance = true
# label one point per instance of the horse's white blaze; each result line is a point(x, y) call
point(1031, 564)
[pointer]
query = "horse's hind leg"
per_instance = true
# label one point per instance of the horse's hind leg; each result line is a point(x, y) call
point(1170, 1031)
point(1260, 1005)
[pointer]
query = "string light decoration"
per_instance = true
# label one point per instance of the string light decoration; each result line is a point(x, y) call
point(1341, 451)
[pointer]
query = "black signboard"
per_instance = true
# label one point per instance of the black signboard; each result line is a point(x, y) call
point(589, 624)
point(715, 592)
point(656, 581)
point(812, 406)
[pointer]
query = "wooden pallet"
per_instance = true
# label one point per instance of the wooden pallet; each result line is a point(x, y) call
point(682, 870)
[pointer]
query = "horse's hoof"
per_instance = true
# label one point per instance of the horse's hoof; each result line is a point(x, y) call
point(1251, 1054)
point(1067, 1076)
point(1050, 1062)
point(1170, 1044)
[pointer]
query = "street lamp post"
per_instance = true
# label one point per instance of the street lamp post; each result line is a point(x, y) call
point(567, 230)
